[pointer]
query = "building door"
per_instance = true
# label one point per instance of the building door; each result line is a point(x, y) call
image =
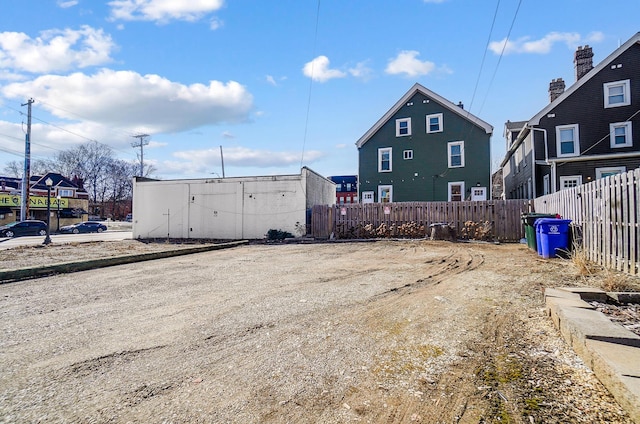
point(385, 194)
point(478, 194)
point(456, 191)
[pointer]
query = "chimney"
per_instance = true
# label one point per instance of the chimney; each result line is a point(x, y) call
point(556, 88)
point(583, 61)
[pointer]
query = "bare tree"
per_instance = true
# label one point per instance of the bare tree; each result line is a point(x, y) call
point(38, 167)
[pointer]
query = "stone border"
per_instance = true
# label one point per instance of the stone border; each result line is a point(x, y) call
point(610, 350)
point(68, 267)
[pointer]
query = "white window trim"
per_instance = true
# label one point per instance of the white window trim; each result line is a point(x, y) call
point(628, 134)
point(440, 123)
point(398, 121)
point(609, 169)
point(380, 152)
point(407, 154)
point(546, 185)
point(451, 144)
point(367, 197)
point(576, 140)
point(462, 192)
point(626, 92)
point(384, 187)
point(65, 192)
point(577, 178)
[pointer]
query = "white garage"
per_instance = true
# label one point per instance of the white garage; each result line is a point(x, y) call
point(227, 208)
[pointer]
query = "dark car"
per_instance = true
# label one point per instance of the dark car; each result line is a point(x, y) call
point(84, 227)
point(24, 228)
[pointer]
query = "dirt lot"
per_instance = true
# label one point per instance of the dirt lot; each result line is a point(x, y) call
point(384, 332)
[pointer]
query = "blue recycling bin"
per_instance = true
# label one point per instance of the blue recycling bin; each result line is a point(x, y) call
point(552, 234)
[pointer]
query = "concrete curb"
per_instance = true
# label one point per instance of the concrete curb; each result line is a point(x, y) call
point(68, 267)
point(610, 350)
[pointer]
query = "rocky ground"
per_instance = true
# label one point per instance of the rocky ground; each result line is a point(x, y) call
point(384, 332)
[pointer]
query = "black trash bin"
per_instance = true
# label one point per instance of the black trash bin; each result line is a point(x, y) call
point(528, 220)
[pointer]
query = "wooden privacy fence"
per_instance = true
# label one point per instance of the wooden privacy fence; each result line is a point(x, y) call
point(607, 210)
point(500, 218)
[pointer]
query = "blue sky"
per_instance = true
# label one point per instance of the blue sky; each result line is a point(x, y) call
point(278, 84)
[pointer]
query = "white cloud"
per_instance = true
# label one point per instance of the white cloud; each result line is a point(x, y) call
point(201, 161)
point(361, 70)
point(544, 44)
point(215, 24)
point(162, 10)
point(271, 80)
point(228, 134)
point(318, 70)
point(407, 63)
point(126, 99)
point(66, 4)
point(55, 50)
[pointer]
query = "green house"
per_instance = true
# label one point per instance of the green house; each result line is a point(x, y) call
point(425, 148)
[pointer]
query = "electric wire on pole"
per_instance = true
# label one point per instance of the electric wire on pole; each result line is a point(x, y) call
point(141, 145)
point(26, 175)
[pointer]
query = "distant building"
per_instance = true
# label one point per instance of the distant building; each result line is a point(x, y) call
point(69, 202)
point(425, 148)
point(228, 208)
point(346, 188)
point(589, 131)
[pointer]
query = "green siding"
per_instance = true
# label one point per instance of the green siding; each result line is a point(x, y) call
point(429, 155)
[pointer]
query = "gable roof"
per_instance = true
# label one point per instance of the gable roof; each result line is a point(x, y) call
point(630, 42)
point(418, 88)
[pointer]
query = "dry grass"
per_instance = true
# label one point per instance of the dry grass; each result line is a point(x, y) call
point(597, 276)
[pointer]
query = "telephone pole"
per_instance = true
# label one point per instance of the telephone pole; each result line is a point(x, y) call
point(141, 145)
point(24, 205)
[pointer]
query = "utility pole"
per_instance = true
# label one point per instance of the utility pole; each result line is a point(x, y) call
point(222, 161)
point(26, 175)
point(141, 145)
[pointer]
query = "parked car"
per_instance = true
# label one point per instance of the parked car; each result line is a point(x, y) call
point(84, 227)
point(30, 227)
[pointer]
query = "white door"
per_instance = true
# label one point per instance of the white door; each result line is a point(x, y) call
point(479, 194)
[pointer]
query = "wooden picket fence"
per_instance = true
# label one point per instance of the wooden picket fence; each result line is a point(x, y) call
point(501, 219)
point(608, 212)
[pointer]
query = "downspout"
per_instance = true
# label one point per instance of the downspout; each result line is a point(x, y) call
point(546, 153)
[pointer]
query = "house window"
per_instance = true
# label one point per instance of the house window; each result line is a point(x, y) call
point(434, 123)
point(367, 197)
point(384, 159)
point(456, 191)
point(567, 140)
point(607, 172)
point(570, 181)
point(407, 154)
point(385, 194)
point(456, 154)
point(65, 193)
point(620, 133)
point(403, 127)
point(617, 94)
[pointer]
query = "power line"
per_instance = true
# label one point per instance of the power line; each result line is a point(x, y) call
point(313, 55)
point(504, 46)
point(484, 56)
point(70, 132)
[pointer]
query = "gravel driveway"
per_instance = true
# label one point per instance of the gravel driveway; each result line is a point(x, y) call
point(384, 332)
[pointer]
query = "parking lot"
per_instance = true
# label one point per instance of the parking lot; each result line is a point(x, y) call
point(391, 331)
